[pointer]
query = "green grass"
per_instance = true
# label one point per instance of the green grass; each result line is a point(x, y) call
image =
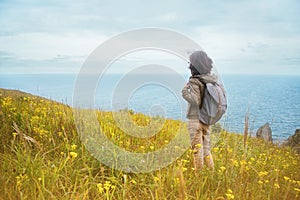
point(42, 157)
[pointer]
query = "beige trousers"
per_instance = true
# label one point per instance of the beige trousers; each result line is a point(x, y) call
point(200, 143)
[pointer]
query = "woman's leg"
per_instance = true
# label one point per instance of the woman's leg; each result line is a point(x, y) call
point(205, 129)
point(196, 143)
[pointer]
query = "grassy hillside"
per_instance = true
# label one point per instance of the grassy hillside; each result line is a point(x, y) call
point(42, 157)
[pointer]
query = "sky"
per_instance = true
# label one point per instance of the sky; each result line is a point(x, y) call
point(242, 37)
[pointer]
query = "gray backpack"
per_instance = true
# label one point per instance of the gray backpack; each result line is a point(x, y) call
point(214, 103)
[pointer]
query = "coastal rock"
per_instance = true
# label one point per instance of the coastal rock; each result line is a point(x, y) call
point(265, 133)
point(294, 141)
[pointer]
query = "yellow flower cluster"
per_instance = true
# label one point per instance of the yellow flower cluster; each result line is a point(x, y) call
point(229, 194)
point(20, 179)
point(262, 174)
point(222, 169)
point(106, 187)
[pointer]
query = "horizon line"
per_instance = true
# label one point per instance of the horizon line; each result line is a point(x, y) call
point(152, 73)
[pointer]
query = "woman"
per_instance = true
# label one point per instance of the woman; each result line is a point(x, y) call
point(200, 66)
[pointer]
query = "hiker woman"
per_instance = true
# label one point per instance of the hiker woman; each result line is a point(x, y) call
point(200, 66)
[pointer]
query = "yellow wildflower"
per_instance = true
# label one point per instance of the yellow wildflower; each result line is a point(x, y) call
point(100, 188)
point(230, 196)
point(222, 169)
point(156, 178)
point(229, 150)
point(243, 162)
point(184, 161)
point(234, 162)
point(264, 173)
point(107, 186)
point(73, 146)
point(73, 154)
point(132, 181)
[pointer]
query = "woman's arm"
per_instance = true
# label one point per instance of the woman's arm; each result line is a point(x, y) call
point(191, 93)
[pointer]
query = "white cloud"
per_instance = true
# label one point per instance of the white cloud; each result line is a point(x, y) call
point(44, 46)
point(168, 17)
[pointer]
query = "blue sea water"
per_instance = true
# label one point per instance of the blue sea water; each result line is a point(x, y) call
point(267, 98)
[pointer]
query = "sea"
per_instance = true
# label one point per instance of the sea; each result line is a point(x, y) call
point(273, 99)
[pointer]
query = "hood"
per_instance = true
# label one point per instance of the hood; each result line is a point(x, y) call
point(206, 78)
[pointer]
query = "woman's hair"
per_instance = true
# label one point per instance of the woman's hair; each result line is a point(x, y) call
point(200, 62)
point(194, 71)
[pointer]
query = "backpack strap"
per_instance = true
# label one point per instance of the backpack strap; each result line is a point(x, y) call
point(202, 88)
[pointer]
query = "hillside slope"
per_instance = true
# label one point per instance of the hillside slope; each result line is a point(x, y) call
point(42, 157)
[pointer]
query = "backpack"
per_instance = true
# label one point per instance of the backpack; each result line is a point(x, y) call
point(214, 103)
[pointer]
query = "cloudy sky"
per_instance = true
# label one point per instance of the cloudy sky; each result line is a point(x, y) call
point(259, 36)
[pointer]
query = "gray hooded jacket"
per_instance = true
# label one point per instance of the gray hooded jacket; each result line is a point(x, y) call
point(193, 92)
